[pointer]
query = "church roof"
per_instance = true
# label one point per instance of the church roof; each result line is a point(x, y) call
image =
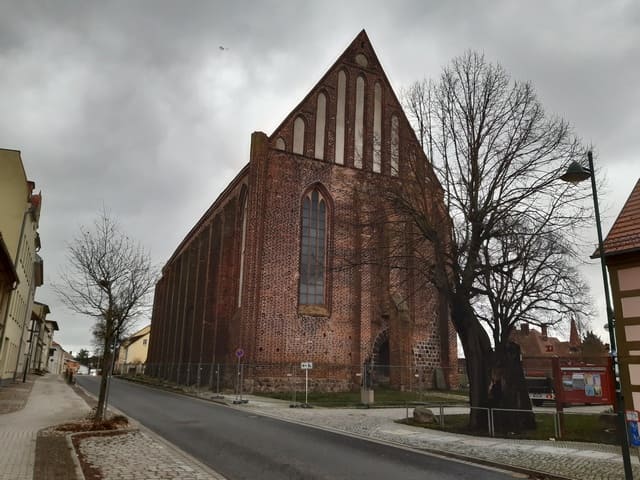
point(624, 236)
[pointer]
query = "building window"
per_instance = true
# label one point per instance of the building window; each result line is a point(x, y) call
point(298, 136)
point(395, 146)
point(340, 117)
point(144, 341)
point(377, 128)
point(359, 124)
point(313, 249)
point(321, 111)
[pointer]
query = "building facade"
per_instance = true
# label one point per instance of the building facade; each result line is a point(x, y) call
point(622, 256)
point(19, 217)
point(279, 270)
point(132, 353)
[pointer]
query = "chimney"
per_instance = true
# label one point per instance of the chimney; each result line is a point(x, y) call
point(524, 328)
point(544, 331)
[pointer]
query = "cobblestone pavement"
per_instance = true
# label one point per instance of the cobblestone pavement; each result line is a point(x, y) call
point(136, 454)
point(51, 402)
point(574, 460)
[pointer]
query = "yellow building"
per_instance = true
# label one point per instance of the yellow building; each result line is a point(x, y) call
point(132, 353)
point(40, 337)
point(19, 216)
point(8, 280)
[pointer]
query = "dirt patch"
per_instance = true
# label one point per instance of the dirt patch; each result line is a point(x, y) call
point(54, 457)
point(117, 422)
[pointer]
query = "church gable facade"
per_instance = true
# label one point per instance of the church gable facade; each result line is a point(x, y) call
point(277, 266)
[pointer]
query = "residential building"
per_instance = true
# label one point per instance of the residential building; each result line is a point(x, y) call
point(622, 257)
point(275, 273)
point(132, 353)
point(56, 358)
point(19, 217)
point(8, 282)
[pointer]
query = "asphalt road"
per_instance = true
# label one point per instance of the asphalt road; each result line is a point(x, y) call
point(242, 445)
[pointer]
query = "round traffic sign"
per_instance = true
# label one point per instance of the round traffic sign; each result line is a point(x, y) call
point(239, 353)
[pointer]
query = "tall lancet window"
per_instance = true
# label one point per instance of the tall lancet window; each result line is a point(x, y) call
point(313, 249)
point(377, 128)
point(321, 112)
point(359, 124)
point(340, 117)
point(395, 146)
point(298, 136)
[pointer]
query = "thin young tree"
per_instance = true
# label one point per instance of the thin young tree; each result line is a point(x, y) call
point(498, 157)
point(109, 277)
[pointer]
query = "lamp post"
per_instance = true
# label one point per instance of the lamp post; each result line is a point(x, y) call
point(574, 174)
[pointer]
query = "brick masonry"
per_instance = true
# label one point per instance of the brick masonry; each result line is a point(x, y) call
point(203, 312)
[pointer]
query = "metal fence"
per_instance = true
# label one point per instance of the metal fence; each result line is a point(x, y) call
point(325, 377)
point(548, 423)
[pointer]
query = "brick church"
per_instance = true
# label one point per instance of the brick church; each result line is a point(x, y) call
point(274, 271)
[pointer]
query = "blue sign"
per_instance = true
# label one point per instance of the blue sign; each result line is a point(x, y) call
point(632, 427)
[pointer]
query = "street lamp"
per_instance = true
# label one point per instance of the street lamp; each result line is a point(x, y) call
point(577, 173)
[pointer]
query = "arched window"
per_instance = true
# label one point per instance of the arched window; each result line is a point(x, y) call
point(377, 128)
point(313, 249)
point(395, 146)
point(298, 136)
point(340, 117)
point(359, 124)
point(321, 111)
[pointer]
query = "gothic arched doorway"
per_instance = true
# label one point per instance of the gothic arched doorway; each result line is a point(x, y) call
point(381, 359)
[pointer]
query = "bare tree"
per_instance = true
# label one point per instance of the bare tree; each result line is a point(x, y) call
point(504, 258)
point(109, 278)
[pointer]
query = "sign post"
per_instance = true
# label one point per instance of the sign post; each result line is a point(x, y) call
point(306, 366)
point(239, 355)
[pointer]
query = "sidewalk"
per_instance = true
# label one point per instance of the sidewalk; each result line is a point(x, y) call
point(51, 402)
point(571, 460)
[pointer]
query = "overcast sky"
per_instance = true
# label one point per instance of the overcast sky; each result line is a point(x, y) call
point(135, 106)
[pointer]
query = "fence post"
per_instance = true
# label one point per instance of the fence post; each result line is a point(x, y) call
point(441, 416)
point(491, 426)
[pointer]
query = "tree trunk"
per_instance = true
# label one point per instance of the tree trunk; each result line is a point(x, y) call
point(478, 355)
point(508, 378)
point(106, 366)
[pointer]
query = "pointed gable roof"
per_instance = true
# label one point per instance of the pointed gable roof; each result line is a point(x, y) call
point(624, 236)
point(358, 60)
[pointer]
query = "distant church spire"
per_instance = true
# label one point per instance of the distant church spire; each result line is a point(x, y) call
point(574, 338)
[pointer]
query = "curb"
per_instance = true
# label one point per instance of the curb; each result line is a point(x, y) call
point(74, 456)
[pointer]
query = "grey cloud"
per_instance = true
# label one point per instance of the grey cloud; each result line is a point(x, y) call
point(132, 105)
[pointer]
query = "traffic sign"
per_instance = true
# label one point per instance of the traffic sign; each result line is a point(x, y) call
point(306, 365)
point(239, 353)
